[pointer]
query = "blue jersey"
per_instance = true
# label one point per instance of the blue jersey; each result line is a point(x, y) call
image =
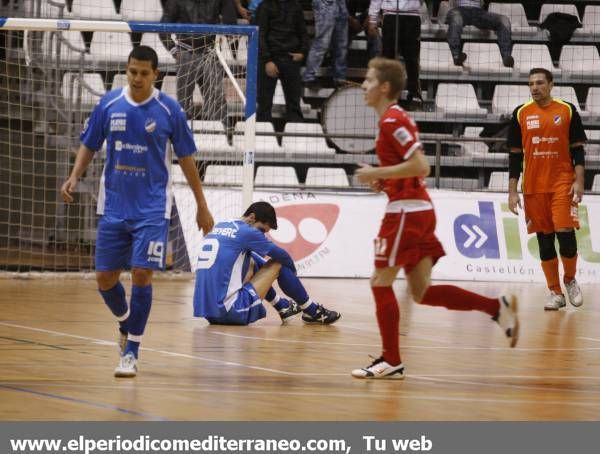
point(223, 263)
point(136, 180)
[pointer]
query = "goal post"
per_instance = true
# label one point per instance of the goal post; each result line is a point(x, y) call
point(49, 87)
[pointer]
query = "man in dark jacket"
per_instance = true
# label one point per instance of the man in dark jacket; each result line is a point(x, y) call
point(197, 62)
point(283, 46)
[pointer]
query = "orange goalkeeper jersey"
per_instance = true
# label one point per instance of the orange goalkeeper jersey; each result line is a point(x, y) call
point(545, 135)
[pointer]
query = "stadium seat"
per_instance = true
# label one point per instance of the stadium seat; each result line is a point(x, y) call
point(567, 93)
point(591, 20)
point(97, 9)
point(164, 56)
point(507, 97)
point(458, 99)
point(306, 145)
point(119, 81)
point(207, 126)
point(234, 52)
point(264, 144)
point(516, 13)
point(548, 8)
point(212, 141)
point(279, 99)
point(72, 47)
point(580, 61)
point(326, 176)
point(529, 56)
point(454, 183)
point(92, 88)
point(596, 183)
point(592, 103)
point(141, 10)
point(436, 58)
point(221, 174)
point(498, 181)
point(112, 47)
point(473, 148)
point(484, 59)
point(276, 176)
point(593, 148)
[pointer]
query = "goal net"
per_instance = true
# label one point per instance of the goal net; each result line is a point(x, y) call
point(51, 76)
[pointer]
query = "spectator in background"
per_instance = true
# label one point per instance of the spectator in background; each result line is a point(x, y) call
point(241, 9)
point(358, 21)
point(283, 45)
point(331, 30)
point(401, 37)
point(471, 12)
point(196, 63)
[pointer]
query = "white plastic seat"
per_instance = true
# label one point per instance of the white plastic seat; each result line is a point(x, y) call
point(458, 99)
point(97, 9)
point(596, 183)
point(454, 183)
point(221, 174)
point(164, 56)
point(119, 81)
point(516, 13)
point(207, 143)
point(580, 61)
point(306, 145)
point(436, 58)
point(276, 176)
point(484, 58)
point(591, 20)
point(207, 126)
point(593, 148)
point(237, 55)
point(507, 97)
point(263, 144)
point(169, 87)
point(592, 102)
point(327, 176)
point(71, 47)
point(111, 47)
point(548, 8)
point(529, 56)
point(142, 10)
point(92, 88)
point(498, 181)
point(567, 93)
point(473, 148)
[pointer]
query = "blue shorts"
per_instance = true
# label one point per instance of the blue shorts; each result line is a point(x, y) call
point(247, 308)
point(121, 244)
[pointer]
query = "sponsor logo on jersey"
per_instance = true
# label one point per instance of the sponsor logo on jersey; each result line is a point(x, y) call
point(533, 124)
point(150, 125)
point(557, 119)
point(403, 136)
point(133, 147)
point(304, 227)
point(118, 124)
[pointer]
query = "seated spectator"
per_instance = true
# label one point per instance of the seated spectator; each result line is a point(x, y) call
point(283, 45)
point(471, 12)
point(358, 21)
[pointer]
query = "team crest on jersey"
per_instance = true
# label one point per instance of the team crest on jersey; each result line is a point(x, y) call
point(150, 125)
point(402, 135)
point(557, 119)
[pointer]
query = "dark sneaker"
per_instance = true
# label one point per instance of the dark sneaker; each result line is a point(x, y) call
point(380, 369)
point(508, 61)
point(290, 312)
point(312, 85)
point(322, 316)
point(460, 59)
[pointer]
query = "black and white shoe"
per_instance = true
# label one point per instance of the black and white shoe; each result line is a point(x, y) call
point(507, 318)
point(290, 312)
point(380, 369)
point(322, 316)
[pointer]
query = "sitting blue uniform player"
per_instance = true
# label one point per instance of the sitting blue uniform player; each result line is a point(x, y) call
point(233, 277)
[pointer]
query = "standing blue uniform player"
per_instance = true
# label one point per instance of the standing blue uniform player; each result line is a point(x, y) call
point(233, 277)
point(135, 198)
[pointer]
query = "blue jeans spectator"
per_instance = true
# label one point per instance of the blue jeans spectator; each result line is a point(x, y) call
point(331, 29)
point(458, 17)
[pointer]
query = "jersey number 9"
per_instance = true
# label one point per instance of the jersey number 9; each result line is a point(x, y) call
point(208, 253)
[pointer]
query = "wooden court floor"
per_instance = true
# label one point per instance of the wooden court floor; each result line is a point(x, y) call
point(58, 352)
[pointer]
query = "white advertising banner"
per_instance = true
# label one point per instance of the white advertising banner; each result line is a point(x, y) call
point(331, 235)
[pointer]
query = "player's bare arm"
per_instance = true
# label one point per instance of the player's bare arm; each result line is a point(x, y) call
point(204, 218)
point(415, 166)
point(82, 161)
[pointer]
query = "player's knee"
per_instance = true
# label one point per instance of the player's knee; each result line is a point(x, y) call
point(107, 279)
point(567, 243)
point(546, 244)
point(141, 277)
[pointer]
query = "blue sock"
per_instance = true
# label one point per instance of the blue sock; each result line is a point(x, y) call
point(115, 299)
point(271, 294)
point(292, 287)
point(141, 302)
point(275, 300)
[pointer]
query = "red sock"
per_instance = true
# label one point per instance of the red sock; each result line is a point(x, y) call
point(550, 268)
point(388, 319)
point(459, 299)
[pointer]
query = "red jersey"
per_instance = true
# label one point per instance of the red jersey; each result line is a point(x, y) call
point(398, 139)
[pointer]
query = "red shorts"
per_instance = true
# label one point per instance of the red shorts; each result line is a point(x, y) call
point(404, 239)
point(550, 212)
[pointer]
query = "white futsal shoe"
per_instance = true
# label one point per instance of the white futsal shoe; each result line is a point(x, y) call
point(574, 292)
point(380, 369)
point(127, 366)
point(555, 302)
point(507, 318)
